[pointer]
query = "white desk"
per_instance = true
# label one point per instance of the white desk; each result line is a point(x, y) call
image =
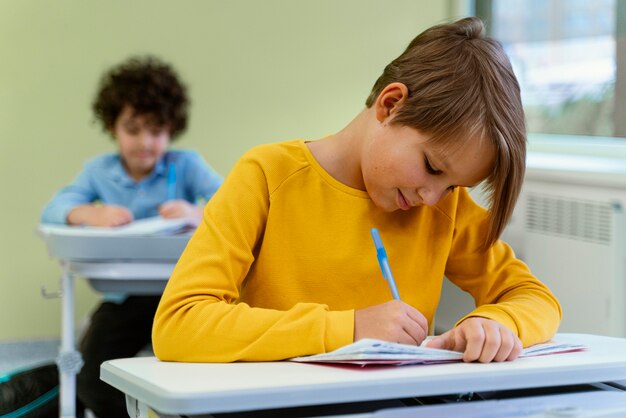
point(132, 264)
point(201, 388)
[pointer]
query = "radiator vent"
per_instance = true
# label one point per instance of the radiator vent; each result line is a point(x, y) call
point(584, 220)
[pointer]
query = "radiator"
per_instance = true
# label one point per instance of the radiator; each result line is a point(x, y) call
point(573, 241)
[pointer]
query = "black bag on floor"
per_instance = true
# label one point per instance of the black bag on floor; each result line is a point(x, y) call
point(30, 393)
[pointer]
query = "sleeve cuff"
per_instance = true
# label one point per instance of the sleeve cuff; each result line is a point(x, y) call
point(56, 215)
point(339, 329)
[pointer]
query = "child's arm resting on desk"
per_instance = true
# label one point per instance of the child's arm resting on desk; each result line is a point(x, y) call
point(73, 204)
point(99, 215)
point(503, 288)
point(198, 319)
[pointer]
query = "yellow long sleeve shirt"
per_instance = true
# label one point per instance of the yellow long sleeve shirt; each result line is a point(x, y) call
point(284, 257)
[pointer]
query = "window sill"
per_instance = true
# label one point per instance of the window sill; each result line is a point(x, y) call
point(577, 159)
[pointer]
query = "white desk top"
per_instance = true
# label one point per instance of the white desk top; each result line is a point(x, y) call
point(195, 388)
point(139, 265)
point(158, 249)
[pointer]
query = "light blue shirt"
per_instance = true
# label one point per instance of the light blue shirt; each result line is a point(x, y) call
point(104, 179)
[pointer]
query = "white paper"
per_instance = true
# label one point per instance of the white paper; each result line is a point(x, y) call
point(371, 351)
point(142, 227)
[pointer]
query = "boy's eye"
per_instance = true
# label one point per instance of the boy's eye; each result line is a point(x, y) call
point(131, 129)
point(430, 168)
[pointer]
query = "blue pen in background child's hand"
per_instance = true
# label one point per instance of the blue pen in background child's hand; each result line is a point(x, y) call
point(171, 182)
point(381, 254)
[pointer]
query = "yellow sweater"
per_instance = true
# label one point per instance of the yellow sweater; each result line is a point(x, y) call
point(284, 256)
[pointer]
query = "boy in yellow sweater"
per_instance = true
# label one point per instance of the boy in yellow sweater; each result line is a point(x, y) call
point(283, 264)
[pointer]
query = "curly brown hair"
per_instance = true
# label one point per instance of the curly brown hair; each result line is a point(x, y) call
point(151, 87)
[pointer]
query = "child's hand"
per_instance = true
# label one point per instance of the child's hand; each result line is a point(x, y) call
point(96, 215)
point(392, 321)
point(480, 339)
point(180, 209)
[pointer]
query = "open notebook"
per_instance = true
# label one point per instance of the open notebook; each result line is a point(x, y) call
point(370, 351)
point(142, 227)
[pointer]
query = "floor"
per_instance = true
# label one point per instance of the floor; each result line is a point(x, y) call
point(19, 355)
point(16, 356)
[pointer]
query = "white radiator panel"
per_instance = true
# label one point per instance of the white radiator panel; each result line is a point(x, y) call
point(573, 241)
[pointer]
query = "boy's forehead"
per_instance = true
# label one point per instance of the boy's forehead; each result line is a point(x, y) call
point(471, 159)
point(455, 146)
point(148, 119)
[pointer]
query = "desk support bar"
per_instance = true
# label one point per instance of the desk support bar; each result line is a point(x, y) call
point(69, 360)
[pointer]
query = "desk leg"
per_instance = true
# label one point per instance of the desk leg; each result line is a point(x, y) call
point(135, 409)
point(138, 409)
point(69, 360)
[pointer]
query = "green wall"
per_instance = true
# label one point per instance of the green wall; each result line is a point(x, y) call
point(258, 71)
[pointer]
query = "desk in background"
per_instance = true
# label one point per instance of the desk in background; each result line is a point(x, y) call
point(139, 265)
point(205, 388)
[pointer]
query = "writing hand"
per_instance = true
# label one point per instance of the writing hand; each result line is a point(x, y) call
point(391, 321)
point(480, 339)
point(180, 209)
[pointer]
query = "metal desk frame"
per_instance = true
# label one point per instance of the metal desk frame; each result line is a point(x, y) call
point(129, 264)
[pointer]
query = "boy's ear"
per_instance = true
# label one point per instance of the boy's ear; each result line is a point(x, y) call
point(390, 99)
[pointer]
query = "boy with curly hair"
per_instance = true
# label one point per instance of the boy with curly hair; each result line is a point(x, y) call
point(143, 105)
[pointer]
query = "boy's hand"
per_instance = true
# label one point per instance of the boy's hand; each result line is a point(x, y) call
point(392, 321)
point(480, 339)
point(180, 209)
point(96, 215)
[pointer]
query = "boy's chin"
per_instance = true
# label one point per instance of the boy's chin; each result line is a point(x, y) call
point(144, 167)
point(386, 206)
point(145, 163)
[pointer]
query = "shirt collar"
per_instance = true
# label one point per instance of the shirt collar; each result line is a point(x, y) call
point(118, 172)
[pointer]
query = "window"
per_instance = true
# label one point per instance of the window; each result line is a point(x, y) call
point(570, 59)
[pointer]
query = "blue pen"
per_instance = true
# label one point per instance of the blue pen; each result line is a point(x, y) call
point(381, 254)
point(171, 182)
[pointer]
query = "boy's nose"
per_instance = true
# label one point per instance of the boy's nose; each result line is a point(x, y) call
point(432, 195)
point(145, 137)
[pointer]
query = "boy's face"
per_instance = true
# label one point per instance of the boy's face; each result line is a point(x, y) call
point(402, 170)
point(141, 143)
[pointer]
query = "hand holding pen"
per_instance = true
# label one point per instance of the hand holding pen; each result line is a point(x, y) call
point(395, 320)
point(175, 207)
point(171, 182)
